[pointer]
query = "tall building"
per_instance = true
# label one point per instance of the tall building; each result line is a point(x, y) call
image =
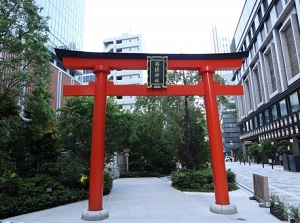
point(230, 130)
point(269, 109)
point(66, 24)
point(220, 42)
point(126, 43)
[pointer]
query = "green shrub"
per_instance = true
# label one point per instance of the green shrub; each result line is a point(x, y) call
point(108, 183)
point(23, 195)
point(200, 180)
point(231, 180)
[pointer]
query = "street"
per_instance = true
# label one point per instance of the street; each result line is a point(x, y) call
point(282, 183)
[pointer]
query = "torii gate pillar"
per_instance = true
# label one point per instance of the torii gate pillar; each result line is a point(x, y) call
point(222, 205)
point(96, 211)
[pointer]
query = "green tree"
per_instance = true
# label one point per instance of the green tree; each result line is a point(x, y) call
point(268, 150)
point(255, 151)
point(75, 129)
point(118, 129)
point(149, 151)
point(39, 133)
point(284, 147)
point(25, 79)
point(25, 58)
point(183, 121)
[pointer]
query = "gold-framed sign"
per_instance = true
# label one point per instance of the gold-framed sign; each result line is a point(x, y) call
point(157, 71)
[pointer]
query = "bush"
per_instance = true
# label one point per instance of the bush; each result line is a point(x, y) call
point(231, 180)
point(23, 195)
point(278, 208)
point(108, 183)
point(200, 180)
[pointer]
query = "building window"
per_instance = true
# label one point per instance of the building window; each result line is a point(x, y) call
point(265, 5)
point(247, 126)
point(251, 52)
point(251, 124)
point(255, 44)
point(261, 120)
point(283, 108)
point(257, 80)
point(119, 97)
point(262, 34)
point(255, 122)
point(291, 47)
point(267, 116)
point(241, 106)
point(119, 78)
point(294, 102)
point(274, 112)
point(279, 7)
point(253, 28)
point(259, 15)
point(268, 24)
point(249, 101)
point(249, 36)
point(271, 71)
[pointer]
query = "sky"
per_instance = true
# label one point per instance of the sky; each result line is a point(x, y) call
point(166, 26)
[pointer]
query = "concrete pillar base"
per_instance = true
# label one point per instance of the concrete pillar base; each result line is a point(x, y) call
point(223, 209)
point(94, 215)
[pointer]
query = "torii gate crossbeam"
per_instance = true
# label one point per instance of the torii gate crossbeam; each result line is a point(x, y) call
point(103, 63)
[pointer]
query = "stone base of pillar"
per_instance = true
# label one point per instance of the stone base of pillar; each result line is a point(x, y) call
point(223, 209)
point(94, 215)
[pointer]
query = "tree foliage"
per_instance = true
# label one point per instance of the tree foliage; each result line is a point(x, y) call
point(29, 142)
point(268, 150)
point(148, 146)
point(118, 129)
point(181, 119)
point(255, 151)
point(75, 129)
point(24, 60)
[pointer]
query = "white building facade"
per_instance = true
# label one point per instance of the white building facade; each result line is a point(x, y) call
point(269, 108)
point(126, 43)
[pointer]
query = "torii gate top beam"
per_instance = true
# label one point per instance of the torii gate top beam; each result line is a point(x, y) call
point(138, 61)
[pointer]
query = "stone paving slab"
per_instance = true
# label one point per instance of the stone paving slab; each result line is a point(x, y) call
point(153, 200)
point(282, 183)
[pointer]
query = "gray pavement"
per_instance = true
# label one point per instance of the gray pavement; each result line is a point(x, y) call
point(282, 183)
point(154, 200)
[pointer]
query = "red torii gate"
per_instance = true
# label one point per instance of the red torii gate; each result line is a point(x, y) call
point(103, 63)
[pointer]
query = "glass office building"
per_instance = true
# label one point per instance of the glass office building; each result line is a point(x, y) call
point(66, 22)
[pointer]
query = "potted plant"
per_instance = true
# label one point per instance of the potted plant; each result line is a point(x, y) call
point(278, 208)
point(295, 214)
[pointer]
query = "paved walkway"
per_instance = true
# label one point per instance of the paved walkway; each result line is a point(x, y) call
point(282, 183)
point(153, 200)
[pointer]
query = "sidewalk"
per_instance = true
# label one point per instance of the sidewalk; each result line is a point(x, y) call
point(282, 183)
point(154, 200)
